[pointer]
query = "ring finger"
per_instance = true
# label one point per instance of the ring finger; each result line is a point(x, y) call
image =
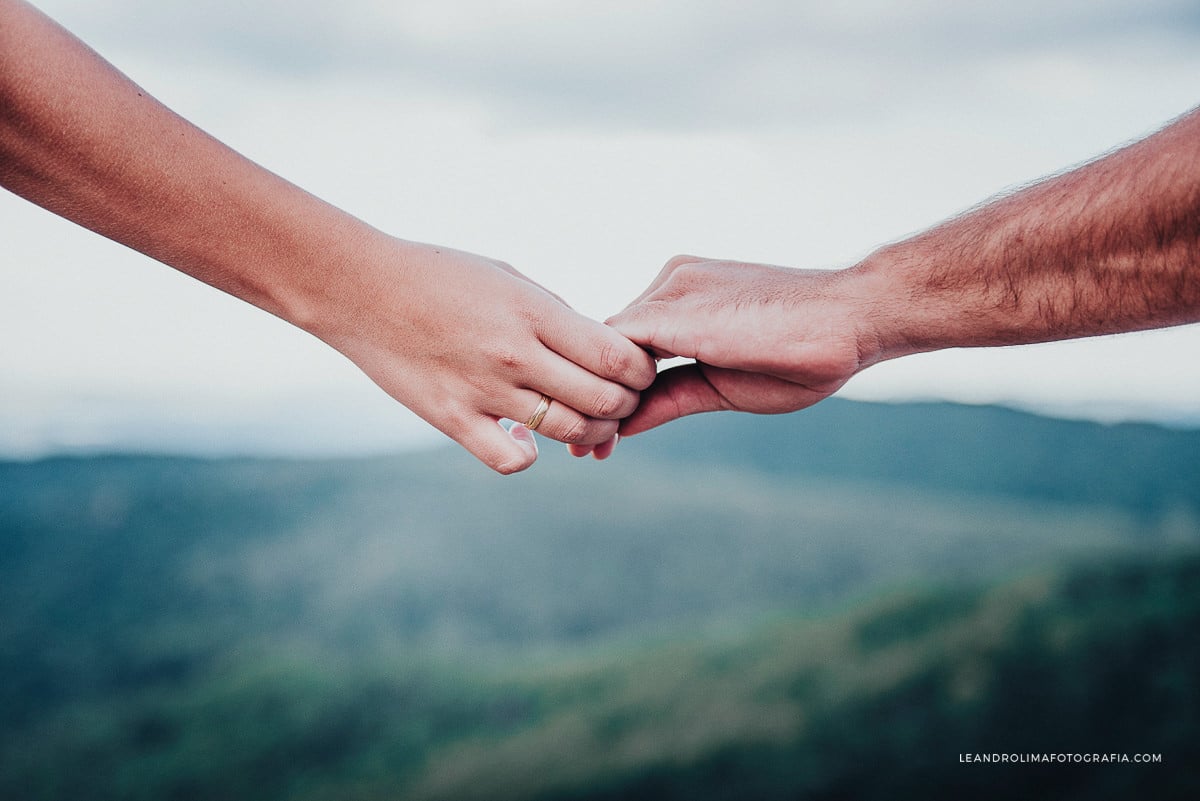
point(560, 421)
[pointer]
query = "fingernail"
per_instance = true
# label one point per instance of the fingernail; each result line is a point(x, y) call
point(524, 437)
point(605, 449)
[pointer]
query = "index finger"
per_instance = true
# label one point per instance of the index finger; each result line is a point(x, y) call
point(597, 348)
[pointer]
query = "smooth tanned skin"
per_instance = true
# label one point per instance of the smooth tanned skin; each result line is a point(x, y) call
point(1109, 247)
point(461, 339)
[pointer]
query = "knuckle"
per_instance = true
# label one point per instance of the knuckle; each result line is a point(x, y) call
point(628, 363)
point(673, 265)
point(643, 374)
point(687, 275)
point(614, 360)
point(675, 262)
point(454, 419)
point(612, 402)
point(507, 359)
point(533, 317)
point(575, 432)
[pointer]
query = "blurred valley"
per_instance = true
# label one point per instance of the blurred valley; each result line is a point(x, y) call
point(831, 604)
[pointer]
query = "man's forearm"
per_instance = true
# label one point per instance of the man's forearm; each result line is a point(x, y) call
point(1112, 246)
point(79, 138)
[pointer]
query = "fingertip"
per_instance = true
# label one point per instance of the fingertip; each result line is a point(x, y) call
point(605, 449)
point(647, 371)
point(638, 366)
point(642, 367)
point(579, 451)
point(525, 438)
point(614, 321)
point(626, 361)
point(512, 451)
point(619, 321)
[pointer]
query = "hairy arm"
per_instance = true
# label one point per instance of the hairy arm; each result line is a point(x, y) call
point(1111, 246)
point(461, 339)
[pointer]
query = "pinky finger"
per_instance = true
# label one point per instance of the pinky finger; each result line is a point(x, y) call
point(579, 451)
point(605, 449)
point(600, 452)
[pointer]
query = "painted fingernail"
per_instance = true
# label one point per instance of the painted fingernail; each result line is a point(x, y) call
point(524, 437)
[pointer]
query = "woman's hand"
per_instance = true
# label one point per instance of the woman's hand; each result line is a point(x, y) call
point(465, 340)
point(460, 339)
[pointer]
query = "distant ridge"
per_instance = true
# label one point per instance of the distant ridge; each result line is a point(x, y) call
point(190, 620)
point(1144, 467)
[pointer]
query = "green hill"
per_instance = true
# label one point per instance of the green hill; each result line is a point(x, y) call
point(248, 628)
point(950, 447)
point(881, 702)
point(887, 702)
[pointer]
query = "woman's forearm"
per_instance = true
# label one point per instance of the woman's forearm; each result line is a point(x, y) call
point(80, 139)
point(461, 339)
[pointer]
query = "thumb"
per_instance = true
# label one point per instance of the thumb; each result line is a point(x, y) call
point(676, 393)
point(506, 452)
point(634, 322)
point(643, 326)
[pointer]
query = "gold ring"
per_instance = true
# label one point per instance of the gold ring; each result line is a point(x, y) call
point(539, 413)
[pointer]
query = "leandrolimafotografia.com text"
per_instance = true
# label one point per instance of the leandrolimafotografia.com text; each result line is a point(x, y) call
point(1063, 758)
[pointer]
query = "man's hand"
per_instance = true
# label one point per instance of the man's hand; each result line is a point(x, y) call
point(1112, 246)
point(764, 339)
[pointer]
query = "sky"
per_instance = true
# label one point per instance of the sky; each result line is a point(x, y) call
point(584, 143)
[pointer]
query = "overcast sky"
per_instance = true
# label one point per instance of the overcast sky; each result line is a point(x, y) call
point(585, 143)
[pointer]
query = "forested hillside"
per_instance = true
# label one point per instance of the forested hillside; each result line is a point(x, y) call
point(835, 603)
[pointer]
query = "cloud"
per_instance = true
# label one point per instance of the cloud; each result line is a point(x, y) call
point(585, 143)
point(699, 63)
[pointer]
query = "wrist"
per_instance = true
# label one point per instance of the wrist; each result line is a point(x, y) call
point(325, 279)
point(904, 310)
point(876, 301)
